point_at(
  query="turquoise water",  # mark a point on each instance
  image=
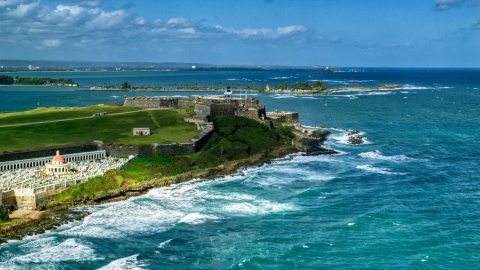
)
(405, 199)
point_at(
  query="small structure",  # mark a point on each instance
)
(99, 114)
(141, 131)
(228, 94)
(58, 165)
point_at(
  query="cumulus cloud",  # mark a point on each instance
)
(448, 4)
(85, 24)
(179, 23)
(267, 33)
(23, 10)
(83, 3)
(292, 29)
(9, 3)
(51, 43)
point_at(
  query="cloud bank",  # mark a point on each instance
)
(83, 23)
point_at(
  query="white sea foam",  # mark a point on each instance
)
(378, 155)
(284, 96)
(256, 208)
(342, 138)
(415, 87)
(164, 243)
(376, 93)
(369, 168)
(110, 222)
(282, 78)
(69, 250)
(130, 262)
(196, 218)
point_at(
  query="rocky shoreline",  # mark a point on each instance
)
(58, 213)
(17, 229)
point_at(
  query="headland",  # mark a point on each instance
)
(231, 133)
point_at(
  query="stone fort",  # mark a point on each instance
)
(213, 106)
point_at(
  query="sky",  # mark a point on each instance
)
(340, 33)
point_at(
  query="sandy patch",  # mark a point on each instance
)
(31, 214)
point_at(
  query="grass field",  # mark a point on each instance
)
(165, 126)
(49, 114)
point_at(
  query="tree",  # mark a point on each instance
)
(126, 85)
(5, 79)
(283, 86)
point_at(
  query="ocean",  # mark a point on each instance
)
(406, 198)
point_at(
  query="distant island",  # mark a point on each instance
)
(9, 80)
(300, 88)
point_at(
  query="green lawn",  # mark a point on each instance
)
(165, 125)
(49, 114)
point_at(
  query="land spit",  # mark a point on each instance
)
(56, 214)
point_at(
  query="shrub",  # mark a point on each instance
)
(4, 214)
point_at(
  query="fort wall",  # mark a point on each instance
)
(151, 102)
(45, 152)
(222, 109)
(202, 110)
(283, 117)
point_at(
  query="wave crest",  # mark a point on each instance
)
(378, 155)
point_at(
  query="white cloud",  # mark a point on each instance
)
(140, 21)
(85, 25)
(292, 29)
(179, 23)
(94, 3)
(448, 4)
(10, 3)
(71, 10)
(107, 20)
(24, 10)
(266, 33)
(189, 30)
(51, 43)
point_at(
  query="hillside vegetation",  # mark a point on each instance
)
(233, 138)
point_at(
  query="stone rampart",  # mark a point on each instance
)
(185, 102)
(248, 113)
(44, 152)
(201, 139)
(8, 198)
(285, 117)
(151, 102)
(202, 110)
(222, 109)
(25, 198)
(125, 150)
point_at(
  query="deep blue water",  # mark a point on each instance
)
(405, 199)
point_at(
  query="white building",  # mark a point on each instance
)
(58, 165)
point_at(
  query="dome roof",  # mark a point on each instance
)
(58, 158)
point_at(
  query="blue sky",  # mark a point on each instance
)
(366, 33)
